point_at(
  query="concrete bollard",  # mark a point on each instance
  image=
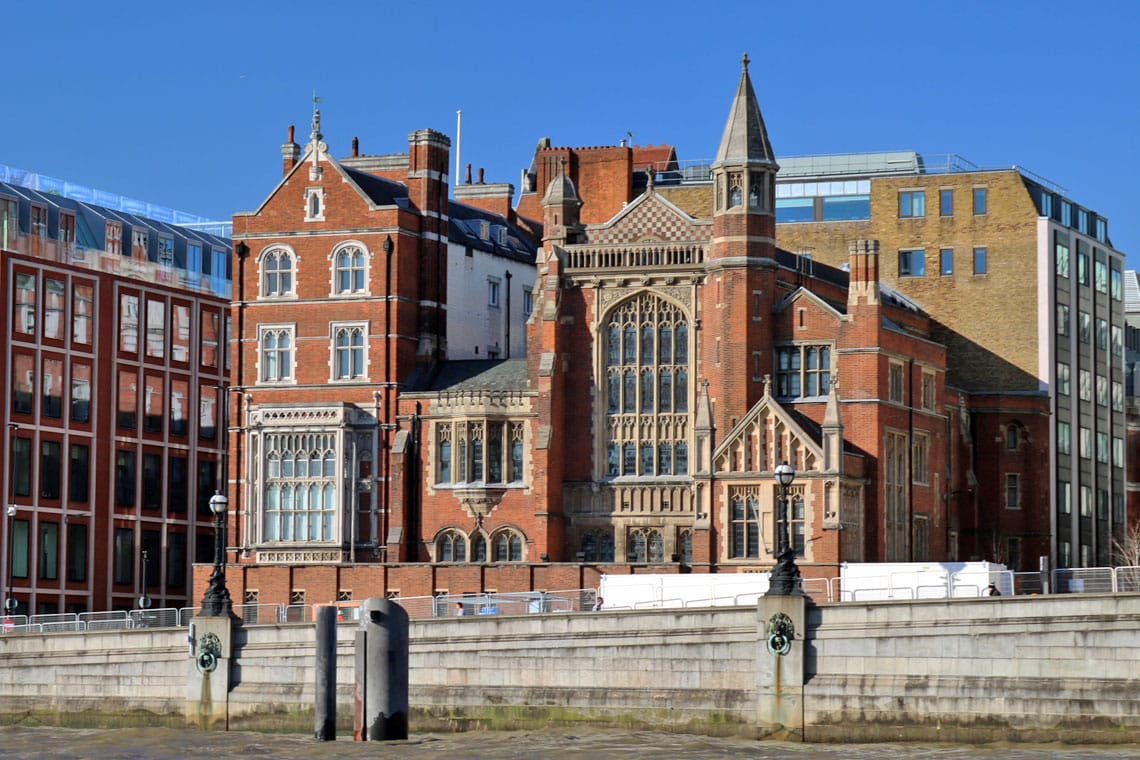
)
(324, 713)
(381, 689)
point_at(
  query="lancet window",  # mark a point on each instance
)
(646, 350)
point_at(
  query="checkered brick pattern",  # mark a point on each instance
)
(650, 217)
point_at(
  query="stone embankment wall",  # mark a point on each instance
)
(1017, 668)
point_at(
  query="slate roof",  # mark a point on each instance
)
(382, 192)
(472, 375)
(464, 225)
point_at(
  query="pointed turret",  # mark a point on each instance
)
(560, 206)
(741, 260)
(745, 137)
(744, 172)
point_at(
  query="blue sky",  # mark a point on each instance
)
(187, 104)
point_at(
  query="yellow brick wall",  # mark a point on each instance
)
(988, 322)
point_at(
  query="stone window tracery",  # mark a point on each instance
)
(507, 546)
(301, 501)
(349, 270)
(597, 545)
(276, 353)
(647, 388)
(484, 451)
(451, 547)
(277, 266)
(348, 352)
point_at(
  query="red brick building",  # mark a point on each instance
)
(672, 361)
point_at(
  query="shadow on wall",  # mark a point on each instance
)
(973, 367)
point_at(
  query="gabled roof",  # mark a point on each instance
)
(807, 438)
(802, 292)
(376, 191)
(650, 214)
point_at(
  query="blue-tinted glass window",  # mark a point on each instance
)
(946, 202)
(979, 200)
(979, 261)
(795, 209)
(946, 261)
(844, 207)
(912, 263)
(912, 203)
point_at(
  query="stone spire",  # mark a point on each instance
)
(745, 138)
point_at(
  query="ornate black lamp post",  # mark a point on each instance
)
(216, 601)
(785, 579)
(9, 600)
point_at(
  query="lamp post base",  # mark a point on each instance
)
(216, 601)
(785, 579)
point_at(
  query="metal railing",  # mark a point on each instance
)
(1087, 580)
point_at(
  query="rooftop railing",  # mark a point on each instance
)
(697, 171)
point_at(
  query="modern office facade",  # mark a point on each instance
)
(115, 329)
(1027, 291)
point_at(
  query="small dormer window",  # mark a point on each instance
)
(484, 230)
(502, 235)
(314, 204)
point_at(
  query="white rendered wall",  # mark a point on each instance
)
(475, 329)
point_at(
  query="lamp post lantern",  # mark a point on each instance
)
(785, 578)
(216, 601)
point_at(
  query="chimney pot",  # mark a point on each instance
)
(468, 176)
(355, 146)
(480, 175)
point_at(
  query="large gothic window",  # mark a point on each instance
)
(647, 388)
(300, 487)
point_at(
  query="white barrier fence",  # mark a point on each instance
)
(897, 586)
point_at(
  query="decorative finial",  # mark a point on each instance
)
(744, 61)
(649, 174)
(767, 385)
(316, 135)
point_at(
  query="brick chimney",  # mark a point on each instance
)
(863, 260)
(290, 153)
(494, 197)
